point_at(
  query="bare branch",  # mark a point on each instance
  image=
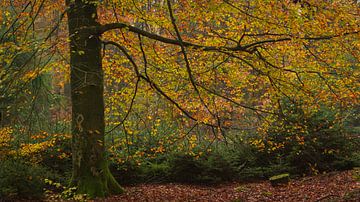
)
(187, 63)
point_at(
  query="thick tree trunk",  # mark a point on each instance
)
(91, 174)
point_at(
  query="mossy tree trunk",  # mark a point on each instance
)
(91, 174)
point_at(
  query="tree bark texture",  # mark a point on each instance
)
(91, 174)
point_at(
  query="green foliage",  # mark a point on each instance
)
(300, 142)
(355, 157)
(264, 172)
(210, 168)
(131, 172)
(308, 142)
(127, 172)
(156, 172)
(185, 168)
(178, 167)
(58, 157)
(248, 163)
(60, 192)
(217, 168)
(352, 195)
(21, 179)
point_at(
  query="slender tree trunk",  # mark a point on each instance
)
(91, 174)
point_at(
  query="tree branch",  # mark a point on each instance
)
(98, 30)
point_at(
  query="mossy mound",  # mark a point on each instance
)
(280, 179)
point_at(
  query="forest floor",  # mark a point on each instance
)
(334, 186)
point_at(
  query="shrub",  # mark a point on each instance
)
(184, 168)
(211, 168)
(21, 179)
(156, 172)
(131, 172)
(178, 167)
(308, 141)
(127, 172)
(217, 168)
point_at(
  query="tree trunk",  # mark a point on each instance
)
(91, 174)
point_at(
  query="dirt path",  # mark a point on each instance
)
(327, 187)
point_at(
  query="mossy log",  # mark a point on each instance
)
(280, 179)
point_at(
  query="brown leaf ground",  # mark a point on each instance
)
(336, 186)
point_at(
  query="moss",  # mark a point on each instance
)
(97, 185)
(241, 189)
(276, 177)
(354, 194)
(280, 179)
(113, 185)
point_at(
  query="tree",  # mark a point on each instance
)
(91, 174)
(21, 66)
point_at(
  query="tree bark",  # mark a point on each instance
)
(91, 174)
